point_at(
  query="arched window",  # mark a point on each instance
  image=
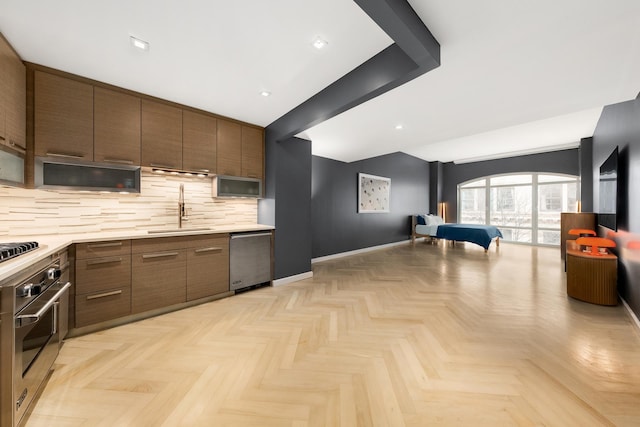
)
(526, 207)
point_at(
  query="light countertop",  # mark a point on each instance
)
(51, 244)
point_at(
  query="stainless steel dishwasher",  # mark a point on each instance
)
(249, 260)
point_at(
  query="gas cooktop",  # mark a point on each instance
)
(14, 249)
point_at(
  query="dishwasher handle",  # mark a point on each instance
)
(245, 236)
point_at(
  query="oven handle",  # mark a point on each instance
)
(27, 319)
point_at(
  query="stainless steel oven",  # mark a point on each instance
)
(37, 320)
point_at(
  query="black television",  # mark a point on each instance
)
(608, 192)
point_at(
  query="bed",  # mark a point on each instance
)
(433, 227)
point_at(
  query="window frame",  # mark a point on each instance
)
(534, 184)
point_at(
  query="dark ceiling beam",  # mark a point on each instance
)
(398, 19)
(414, 52)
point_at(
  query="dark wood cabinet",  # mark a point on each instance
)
(77, 118)
(591, 278)
(208, 267)
(116, 132)
(229, 148)
(159, 270)
(240, 150)
(161, 135)
(570, 220)
(199, 142)
(63, 117)
(102, 306)
(12, 99)
(103, 282)
(252, 152)
(6, 54)
(121, 280)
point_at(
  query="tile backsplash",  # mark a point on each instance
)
(25, 212)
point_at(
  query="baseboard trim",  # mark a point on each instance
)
(631, 313)
(359, 251)
(291, 279)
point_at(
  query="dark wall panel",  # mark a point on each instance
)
(287, 204)
(586, 174)
(619, 125)
(564, 161)
(435, 185)
(336, 224)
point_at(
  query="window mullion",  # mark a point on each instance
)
(534, 208)
(488, 201)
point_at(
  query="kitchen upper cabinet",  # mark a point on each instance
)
(63, 117)
(229, 148)
(252, 152)
(240, 150)
(207, 267)
(77, 118)
(5, 59)
(161, 135)
(199, 140)
(12, 99)
(116, 132)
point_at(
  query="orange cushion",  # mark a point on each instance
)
(595, 243)
(580, 231)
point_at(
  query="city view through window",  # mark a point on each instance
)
(526, 207)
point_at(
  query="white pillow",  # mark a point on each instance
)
(436, 220)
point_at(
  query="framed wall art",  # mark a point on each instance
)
(373, 193)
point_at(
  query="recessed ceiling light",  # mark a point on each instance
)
(265, 93)
(320, 43)
(140, 44)
(399, 127)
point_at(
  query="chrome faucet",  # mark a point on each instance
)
(182, 210)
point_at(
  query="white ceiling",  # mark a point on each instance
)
(515, 76)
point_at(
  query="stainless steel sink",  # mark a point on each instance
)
(177, 230)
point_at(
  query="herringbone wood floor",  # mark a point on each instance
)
(409, 336)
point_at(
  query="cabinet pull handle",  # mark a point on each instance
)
(2, 138)
(18, 147)
(65, 155)
(159, 255)
(104, 245)
(119, 161)
(103, 295)
(104, 260)
(211, 249)
(157, 165)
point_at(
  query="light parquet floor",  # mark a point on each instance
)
(408, 336)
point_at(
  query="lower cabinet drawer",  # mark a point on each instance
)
(98, 274)
(102, 306)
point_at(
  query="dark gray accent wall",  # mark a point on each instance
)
(619, 125)
(564, 161)
(336, 224)
(414, 52)
(586, 174)
(435, 186)
(287, 204)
